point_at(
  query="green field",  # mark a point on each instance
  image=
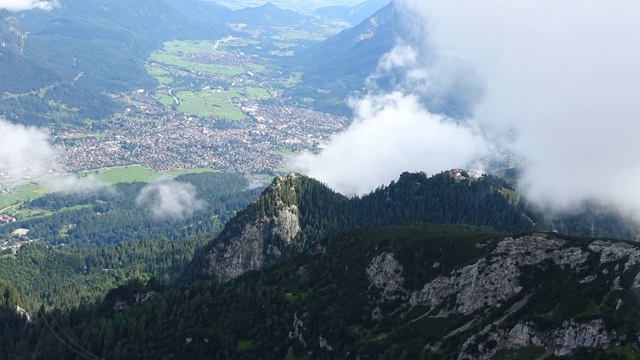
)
(175, 173)
(162, 75)
(30, 191)
(134, 173)
(178, 47)
(205, 104)
(7, 201)
(293, 79)
(251, 93)
(177, 61)
(164, 99)
(291, 34)
(125, 174)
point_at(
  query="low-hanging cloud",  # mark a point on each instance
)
(27, 155)
(409, 120)
(168, 199)
(21, 5)
(560, 78)
(391, 133)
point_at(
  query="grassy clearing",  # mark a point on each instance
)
(186, 47)
(244, 345)
(251, 93)
(206, 104)
(293, 79)
(131, 173)
(163, 76)
(175, 173)
(177, 61)
(75, 207)
(164, 99)
(293, 34)
(238, 42)
(6, 200)
(513, 196)
(30, 191)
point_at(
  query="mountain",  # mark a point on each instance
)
(296, 211)
(353, 14)
(77, 53)
(412, 291)
(268, 15)
(339, 65)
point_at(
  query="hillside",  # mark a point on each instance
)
(74, 55)
(353, 14)
(268, 15)
(339, 65)
(296, 211)
(407, 292)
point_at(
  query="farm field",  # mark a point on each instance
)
(175, 173)
(135, 173)
(6, 200)
(223, 70)
(206, 104)
(163, 99)
(30, 191)
(130, 173)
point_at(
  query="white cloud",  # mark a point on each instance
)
(560, 77)
(170, 199)
(27, 154)
(391, 133)
(563, 76)
(20, 5)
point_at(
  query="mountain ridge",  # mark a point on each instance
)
(296, 211)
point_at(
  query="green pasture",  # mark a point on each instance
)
(175, 173)
(206, 104)
(253, 93)
(295, 34)
(163, 76)
(178, 47)
(177, 61)
(130, 173)
(164, 99)
(6, 200)
(30, 191)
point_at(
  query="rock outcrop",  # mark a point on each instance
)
(262, 236)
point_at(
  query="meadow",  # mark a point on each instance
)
(208, 104)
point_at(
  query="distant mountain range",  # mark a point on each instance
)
(340, 64)
(353, 14)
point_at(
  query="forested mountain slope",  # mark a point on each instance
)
(296, 211)
(404, 292)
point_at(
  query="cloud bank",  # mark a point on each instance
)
(390, 134)
(20, 5)
(169, 199)
(560, 77)
(27, 154)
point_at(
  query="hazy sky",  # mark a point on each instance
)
(18, 5)
(561, 76)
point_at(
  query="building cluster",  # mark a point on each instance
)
(160, 138)
(4, 218)
(16, 241)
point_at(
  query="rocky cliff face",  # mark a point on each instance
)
(496, 281)
(262, 237)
